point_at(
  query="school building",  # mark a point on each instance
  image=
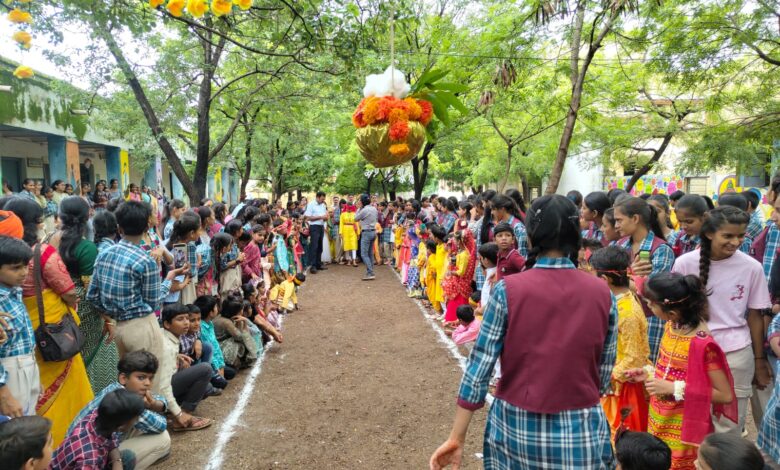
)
(46, 136)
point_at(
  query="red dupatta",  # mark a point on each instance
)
(698, 406)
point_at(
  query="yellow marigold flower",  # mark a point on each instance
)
(397, 115)
(156, 3)
(415, 111)
(23, 38)
(175, 7)
(243, 4)
(197, 8)
(399, 149)
(18, 16)
(23, 72)
(371, 110)
(221, 7)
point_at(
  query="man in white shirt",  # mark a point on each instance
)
(316, 214)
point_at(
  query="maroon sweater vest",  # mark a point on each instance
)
(557, 323)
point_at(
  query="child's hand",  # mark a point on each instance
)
(3, 327)
(184, 361)
(635, 375)
(656, 387)
(9, 406)
(198, 349)
(241, 257)
(641, 267)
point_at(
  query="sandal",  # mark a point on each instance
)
(197, 423)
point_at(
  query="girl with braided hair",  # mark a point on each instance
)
(736, 284)
(555, 330)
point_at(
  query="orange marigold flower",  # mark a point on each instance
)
(23, 38)
(397, 115)
(23, 72)
(414, 109)
(18, 16)
(175, 7)
(221, 7)
(243, 4)
(399, 150)
(197, 8)
(399, 130)
(427, 112)
(156, 3)
(371, 110)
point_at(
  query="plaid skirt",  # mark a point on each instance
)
(387, 235)
(655, 331)
(519, 439)
(769, 433)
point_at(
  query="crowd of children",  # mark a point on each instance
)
(685, 341)
(117, 323)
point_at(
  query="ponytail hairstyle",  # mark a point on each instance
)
(553, 223)
(598, 202)
(204, 212)
(74, 214)
(188, 222)
(467, 206)
(648, 216)
(220, 241)
(233, 227)
(250, 212)
(612, 262)
(683, 294)
(487, 215)
(713, 221)
(508, 204)
(575, 197)
(516, 196)
(173, 204)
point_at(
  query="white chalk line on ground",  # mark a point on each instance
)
(443, 338)
(230, 424)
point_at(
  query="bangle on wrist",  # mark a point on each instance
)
(679, 390)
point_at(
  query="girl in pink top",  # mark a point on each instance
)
(736, 284)
(468, 330)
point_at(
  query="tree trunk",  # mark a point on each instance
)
(526, 191)
(420, 174)
(289, 196)
(247, 166)
(298, 194)
(649, 165)
(578, 74)
(507, 168)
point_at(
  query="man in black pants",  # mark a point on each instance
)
(316, 214)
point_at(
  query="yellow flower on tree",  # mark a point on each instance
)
(23, 72)
(18, 16)
(156, 3)
(23, 38)
(197, 8)
(221, 7)
(243, 4)
(175, 7)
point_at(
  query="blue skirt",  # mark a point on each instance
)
(413, 278)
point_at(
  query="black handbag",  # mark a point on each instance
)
(56, 341)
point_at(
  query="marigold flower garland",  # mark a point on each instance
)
(22, 38)
(373, 111)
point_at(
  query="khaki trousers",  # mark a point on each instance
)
(24, 381)
(141, 333)
(743, 367)
(148, 448)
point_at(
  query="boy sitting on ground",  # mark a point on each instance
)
(19, 377)
(183, 388)
(26, 443)
(93, 443)
(148, 439)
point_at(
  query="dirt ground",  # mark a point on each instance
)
(360, 382)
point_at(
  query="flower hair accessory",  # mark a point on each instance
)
(675, 302)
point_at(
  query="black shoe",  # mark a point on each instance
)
(323, 268)
(213, 392)
(230, 372)
(218, 381)
(313, 271)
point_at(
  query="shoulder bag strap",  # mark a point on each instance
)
(38, 283)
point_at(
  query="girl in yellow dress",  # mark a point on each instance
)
(349, 236)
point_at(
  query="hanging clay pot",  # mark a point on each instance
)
(375, 144)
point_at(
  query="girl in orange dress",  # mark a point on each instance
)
(691, 380)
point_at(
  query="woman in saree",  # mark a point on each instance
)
(64, 384)
(78, 254)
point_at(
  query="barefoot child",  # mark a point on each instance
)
(691, 379)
